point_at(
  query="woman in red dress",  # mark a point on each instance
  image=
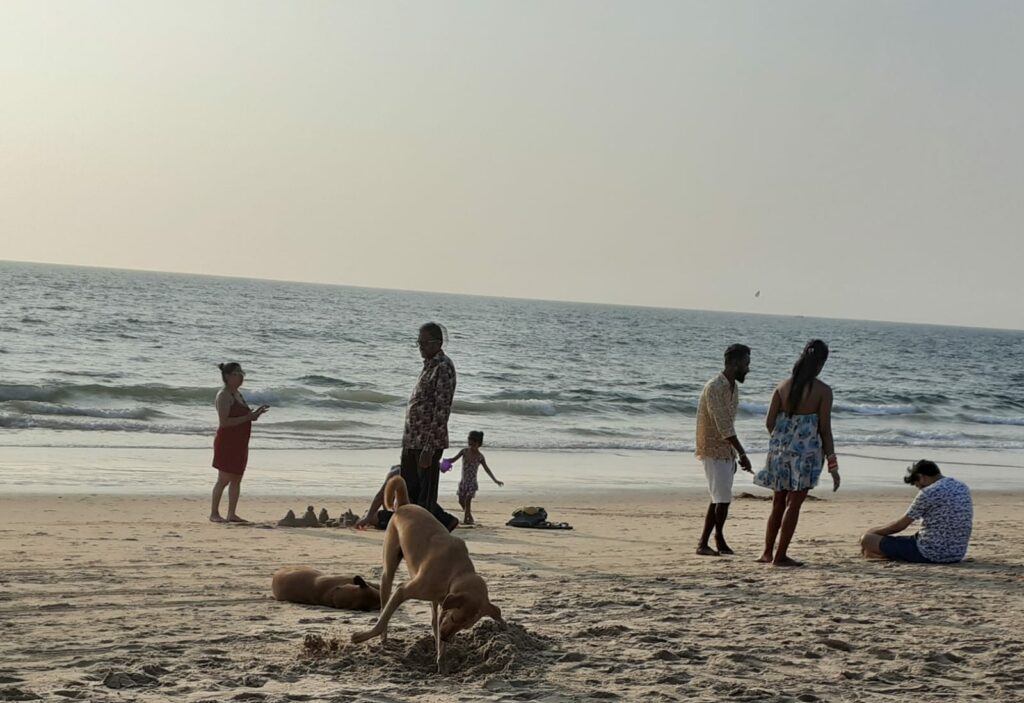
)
(231, 445)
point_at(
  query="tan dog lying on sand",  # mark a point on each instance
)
(440, 571)
(299, 584)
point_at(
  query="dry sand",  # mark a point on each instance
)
(121, 599)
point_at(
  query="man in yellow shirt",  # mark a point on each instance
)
(717, 444)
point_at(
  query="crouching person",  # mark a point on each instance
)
(944, 508)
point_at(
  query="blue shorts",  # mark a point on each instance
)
(903, 549)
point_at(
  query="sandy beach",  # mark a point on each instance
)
(139, 598)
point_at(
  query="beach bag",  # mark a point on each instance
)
(531, 516)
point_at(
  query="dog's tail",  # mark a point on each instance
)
(396, 493)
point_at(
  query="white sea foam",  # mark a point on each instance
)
(871, 409)
(995, 420)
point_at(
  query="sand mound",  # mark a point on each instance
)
(485, 650)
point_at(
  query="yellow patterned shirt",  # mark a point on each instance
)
(716, 415)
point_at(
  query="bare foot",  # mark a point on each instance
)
(786, 561)
(765, 558)
(241, 520)
(358, 637)
(468, 520)
(723, 548)
(217, 518)
(707, 552)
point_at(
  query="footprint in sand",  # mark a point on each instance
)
(837, 644)
(665, 656)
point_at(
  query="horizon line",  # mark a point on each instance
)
(507, 297)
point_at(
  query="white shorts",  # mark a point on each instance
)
(720, 473)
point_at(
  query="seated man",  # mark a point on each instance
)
(945, 510)
(375, 517)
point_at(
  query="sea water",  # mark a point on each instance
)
(97, 358)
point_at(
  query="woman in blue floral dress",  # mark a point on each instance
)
(800, 422)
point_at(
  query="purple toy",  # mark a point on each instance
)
(446, 464)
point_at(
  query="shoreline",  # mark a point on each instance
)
(359, 472)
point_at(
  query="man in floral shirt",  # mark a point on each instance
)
(426, 424)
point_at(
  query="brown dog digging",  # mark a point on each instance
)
(440, 571)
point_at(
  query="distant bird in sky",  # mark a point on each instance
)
(757, 294)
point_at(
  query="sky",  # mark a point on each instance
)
(845, 159)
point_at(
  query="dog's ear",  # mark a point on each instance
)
(494, 612)
(358, 580)
(452, 601)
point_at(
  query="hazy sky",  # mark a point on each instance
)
(861, 159)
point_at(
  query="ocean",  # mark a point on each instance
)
(97, 358)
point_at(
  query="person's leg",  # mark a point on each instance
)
(722, 471)
(794, 500)
(703, 548)
(431, 478)
(771, 532)
(469, 510)
(423, 484)
(234, 490)
(410, 473)
(431, 489)
(223, 479)
(721, 515)
(871, 546)
(897, 549)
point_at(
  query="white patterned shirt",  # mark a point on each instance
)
(946, 514)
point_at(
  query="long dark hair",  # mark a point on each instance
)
(805, 370)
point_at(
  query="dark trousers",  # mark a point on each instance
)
(423, 484)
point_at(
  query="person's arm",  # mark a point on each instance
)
(224, 418)
(825, 423)
(773, 411)
(825, 432)
(893, 527)
(721, 414)
(457, 456)
(483, 462)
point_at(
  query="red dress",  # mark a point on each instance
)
(231, 444)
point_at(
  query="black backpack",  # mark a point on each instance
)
(528, 517)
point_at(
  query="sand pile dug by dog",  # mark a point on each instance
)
(486, 650)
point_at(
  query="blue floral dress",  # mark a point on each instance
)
(794, 455)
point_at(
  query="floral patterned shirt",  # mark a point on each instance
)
(426, 417)
(716, 415)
